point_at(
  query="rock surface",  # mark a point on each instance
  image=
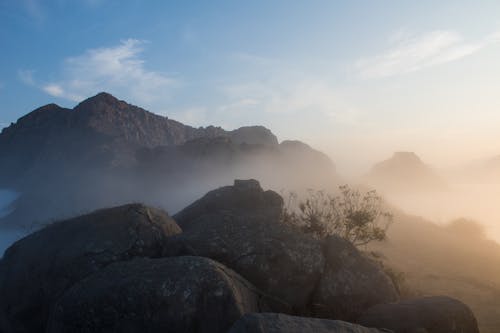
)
(182, 294)
(435, 314)
(37, 269)
(351, 283)
(280, 323)
(240, 227)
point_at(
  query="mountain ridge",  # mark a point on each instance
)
(105, 151)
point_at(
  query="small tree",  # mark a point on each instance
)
(357, 217)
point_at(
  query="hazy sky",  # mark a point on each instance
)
(357, 79)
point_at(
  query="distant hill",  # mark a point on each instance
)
(106, 151)
(404, 172)
(446, 260)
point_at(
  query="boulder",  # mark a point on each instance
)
(240, 227)
(435, 314)
(181, 294)
(245, 198)
(280, 323)
(350, 283)
(37, 269)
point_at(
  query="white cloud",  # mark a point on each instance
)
(411, 54)
(118, 69)
(54, 90)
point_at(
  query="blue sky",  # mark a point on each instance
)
(357, 79)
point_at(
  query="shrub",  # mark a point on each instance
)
(355, 216)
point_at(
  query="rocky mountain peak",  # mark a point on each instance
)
(101, 101)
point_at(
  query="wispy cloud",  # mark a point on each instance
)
(299, 97)
(118, 69)
(413, 53)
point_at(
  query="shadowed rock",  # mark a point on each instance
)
(182, 294)
(240, 226)
(37, 269)
(436, 314)
(280, 323)
(351, 283)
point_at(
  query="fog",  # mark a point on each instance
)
(7, 236)
(434, 257)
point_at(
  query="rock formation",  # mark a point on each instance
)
(429, 314)
(37, 269)
(227, 264)
(182, 294)
(280, 323)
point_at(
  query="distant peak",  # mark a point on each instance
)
(100, 101)
(406, 156)
(103, 97)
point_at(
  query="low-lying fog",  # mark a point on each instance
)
(479, 202)
(7, 237)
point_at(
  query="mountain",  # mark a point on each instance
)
(404, 172)
(106, 152)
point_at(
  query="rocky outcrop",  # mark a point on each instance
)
(244, 198)
(37, 269)
(240, 226)
(182, 294)
(350, 283)
(427, 315)
(281, 323)
(131, 268)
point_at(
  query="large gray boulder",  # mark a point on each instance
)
(181, 294)
(240, 227)
(350, 283)
(435, 314)
(37, 269)
(281, 323)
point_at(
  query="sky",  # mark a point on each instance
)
(355, 79)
